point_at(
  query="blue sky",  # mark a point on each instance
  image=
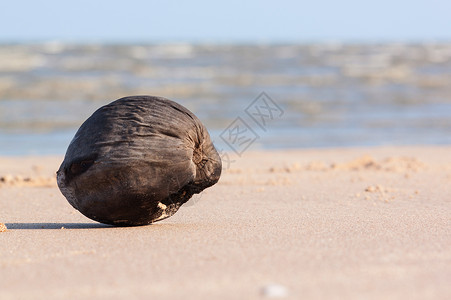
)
(225, 21)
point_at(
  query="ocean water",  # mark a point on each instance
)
(281, 96)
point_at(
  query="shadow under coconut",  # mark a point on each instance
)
(56, 226)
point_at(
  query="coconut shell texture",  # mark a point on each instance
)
(137, 160)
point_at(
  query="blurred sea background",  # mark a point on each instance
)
(332, 94)
(345, 73)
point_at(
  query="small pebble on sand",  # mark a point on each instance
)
(274, 291)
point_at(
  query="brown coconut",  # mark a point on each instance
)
(137, 160)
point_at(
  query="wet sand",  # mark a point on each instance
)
(371, 223)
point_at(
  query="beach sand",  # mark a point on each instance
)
(361, 223)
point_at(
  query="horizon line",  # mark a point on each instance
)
(171, 41)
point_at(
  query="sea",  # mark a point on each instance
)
(249, 96)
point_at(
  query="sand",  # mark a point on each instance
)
(362, 223)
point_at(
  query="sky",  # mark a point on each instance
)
(224, 21)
